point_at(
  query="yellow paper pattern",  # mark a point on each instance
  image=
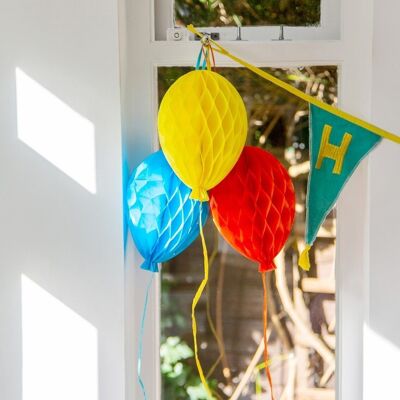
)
(202, 125)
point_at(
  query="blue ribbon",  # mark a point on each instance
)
(198, 62)
(141, 334)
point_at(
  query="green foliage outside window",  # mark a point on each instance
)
(180, 379)
(248, 12)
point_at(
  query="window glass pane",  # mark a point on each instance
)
(301, 304)
(247, 12)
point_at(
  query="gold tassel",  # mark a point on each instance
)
(304, 260)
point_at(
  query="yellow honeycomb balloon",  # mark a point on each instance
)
(202, 125)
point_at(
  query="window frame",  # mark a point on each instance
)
(141, 55)
(328, 29)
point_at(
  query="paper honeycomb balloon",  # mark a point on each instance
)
(162, 219)
(254, 206)
(202, 125)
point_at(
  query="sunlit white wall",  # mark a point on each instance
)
(60, 202)
(59, 348)
(55, 131)
(382, 332)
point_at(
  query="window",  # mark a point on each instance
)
(143, 26)
(258, 20)
(302, 305)
(247, 12)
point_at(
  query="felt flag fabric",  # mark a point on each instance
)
(337, 146)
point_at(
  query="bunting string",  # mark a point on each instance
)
(298, 93)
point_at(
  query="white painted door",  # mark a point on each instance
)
(352, 52)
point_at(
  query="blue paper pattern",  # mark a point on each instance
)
(162, 219)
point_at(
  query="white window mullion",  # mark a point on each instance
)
(266, 54)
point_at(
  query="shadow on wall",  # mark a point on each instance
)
(55, 131)
(59, 348)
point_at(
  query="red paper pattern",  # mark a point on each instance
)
(254, 206)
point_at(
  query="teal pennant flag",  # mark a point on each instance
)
(337, 146)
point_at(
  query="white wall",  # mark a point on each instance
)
(354, 97)
(382, 327)
(61, 244)
(139, 140)
(60, 202)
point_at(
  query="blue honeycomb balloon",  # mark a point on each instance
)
(162, 219)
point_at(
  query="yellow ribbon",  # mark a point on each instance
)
(208, 310)
(298, 93)
(194, 304)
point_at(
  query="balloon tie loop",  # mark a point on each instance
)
(205, 40)
(199, 194)
(205, 58)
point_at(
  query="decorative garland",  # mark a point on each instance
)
(202, 125)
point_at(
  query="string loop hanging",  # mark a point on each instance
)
(206, 58)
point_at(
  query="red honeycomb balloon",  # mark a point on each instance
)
(254, 206)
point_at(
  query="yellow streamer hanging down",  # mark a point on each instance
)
(208, 310)
(194, 304)
(298, 93)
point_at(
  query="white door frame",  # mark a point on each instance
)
(141, 56)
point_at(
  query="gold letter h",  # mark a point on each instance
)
(336, 153)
